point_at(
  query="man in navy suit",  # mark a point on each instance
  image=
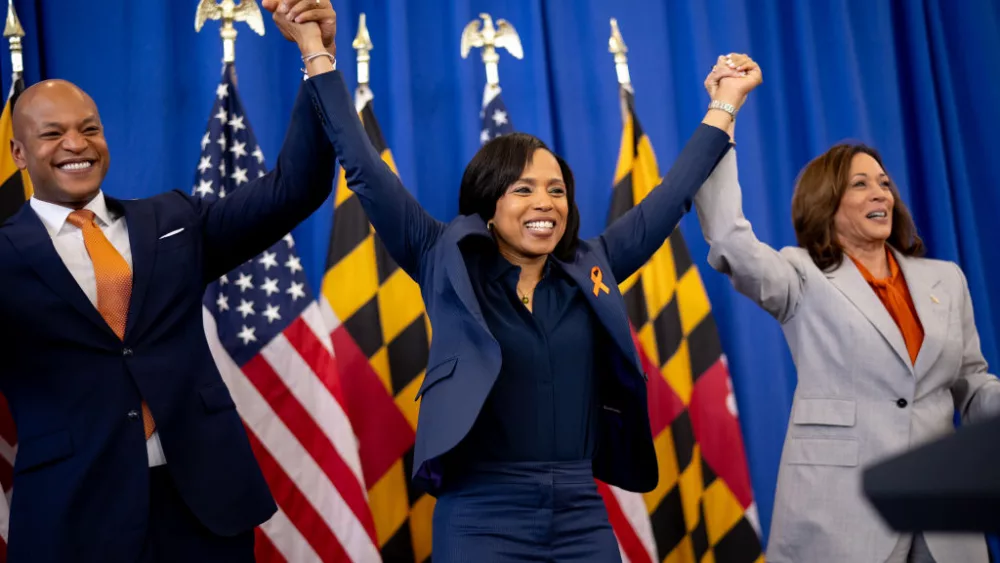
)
(130, 447)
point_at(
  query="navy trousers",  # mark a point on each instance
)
(549, 512)
(175, 534)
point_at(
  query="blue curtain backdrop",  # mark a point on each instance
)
(914, 78)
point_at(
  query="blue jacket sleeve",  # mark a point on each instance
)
(632, 240)
(252, 218)
(406, 229)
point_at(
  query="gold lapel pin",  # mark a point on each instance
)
(934, 299)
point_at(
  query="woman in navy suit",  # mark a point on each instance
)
(534, 386)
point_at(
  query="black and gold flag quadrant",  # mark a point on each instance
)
(15, 186)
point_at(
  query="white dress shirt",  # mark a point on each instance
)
(68, 241)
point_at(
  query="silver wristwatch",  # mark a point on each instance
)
(728, 108)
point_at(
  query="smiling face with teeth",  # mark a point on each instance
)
(864, 216)
(845, 201)
(525, 194)
(59, 140)
(530, 217)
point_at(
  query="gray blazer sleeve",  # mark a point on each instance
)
(774, 280)
(976, 392)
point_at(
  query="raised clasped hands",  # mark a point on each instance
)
(311, 24)
(732, 78)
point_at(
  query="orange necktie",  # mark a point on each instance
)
(114, 284)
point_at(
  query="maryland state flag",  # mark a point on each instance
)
(16, 186)
(702, 511)
(381, 341)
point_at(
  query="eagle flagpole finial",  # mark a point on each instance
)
(229, 11)
(484, 35)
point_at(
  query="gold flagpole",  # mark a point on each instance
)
(617, 47)
(14, 32)
(363, 45)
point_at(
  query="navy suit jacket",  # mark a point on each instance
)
(81, 476)
(464, 358)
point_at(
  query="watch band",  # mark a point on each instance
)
(726, 107)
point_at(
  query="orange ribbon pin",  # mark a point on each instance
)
(597, 277)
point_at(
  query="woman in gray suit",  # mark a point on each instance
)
(884, 343)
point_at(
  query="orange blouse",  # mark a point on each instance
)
(895, 295)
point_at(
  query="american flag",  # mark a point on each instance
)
(496, 120)
(269, 341)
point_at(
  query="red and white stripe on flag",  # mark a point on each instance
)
(290, 401)
(629, 518)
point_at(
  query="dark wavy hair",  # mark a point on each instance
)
(818, 192)
(500, 163)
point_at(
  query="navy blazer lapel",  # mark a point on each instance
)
(464, 226)
(932, 308)
(32, 241)
(607, 305)
(141, 223)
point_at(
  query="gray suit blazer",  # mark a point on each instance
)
(858, 397)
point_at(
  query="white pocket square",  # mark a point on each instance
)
(172, 233)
